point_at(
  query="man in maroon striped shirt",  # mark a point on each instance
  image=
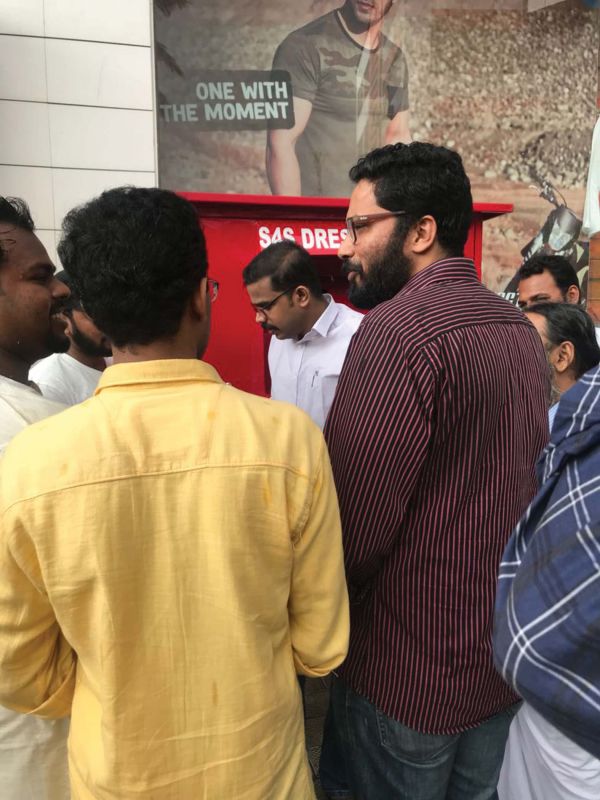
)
(439, 417)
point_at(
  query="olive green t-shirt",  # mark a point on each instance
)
(353, 91)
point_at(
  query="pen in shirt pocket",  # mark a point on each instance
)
(314, 378)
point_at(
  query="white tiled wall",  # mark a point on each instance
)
(76, 103)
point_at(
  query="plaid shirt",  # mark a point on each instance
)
(547, 624)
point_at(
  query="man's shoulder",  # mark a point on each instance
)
(265, 413)
(394, 50)
(55, 426)
(576, 427)
(439, 309)
(36, 455)
(61, 377)
(348, 316)
(48, 366)
(21, 406)
(76, 445)
(283, 433)
(324, 25)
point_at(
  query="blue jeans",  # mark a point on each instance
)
(332, 767)
(385, 760)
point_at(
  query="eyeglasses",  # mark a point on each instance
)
(353, 224)
(270, 303)
(213, 288)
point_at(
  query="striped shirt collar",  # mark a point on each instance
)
(442, 271)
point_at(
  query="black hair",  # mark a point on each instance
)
(422, 178)
(135, 257)
(559, 267)
(14, 213)
(287, 265)
(567, 322)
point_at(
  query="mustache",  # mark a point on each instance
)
(58, 308)
(351, 266)
(266, 327)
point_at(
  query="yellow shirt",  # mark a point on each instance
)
(170, 555)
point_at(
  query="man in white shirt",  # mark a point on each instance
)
(33, 751)
(72, 377)
(311, 332)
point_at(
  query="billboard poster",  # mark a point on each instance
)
(283, 96)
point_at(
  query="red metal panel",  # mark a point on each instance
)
(239, 226)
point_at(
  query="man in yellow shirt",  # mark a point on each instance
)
(170, 550)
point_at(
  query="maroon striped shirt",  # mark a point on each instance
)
(440, 414)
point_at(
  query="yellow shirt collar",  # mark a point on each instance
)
(171, 370)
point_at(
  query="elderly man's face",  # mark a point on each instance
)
(559, 357)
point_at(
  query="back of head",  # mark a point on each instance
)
(14, 213)
(135, 257)
(422, 179)
(566, 322)
(559, 267)
(287, 265)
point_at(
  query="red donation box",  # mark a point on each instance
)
(237, 227)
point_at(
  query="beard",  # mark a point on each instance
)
(89, 346)
(387, 275)
(57, 343)
(57, 340)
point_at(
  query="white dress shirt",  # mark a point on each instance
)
(33, 751)
(305, 372)
(64, 379)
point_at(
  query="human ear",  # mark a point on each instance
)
(573, 294)
(199, 299)
(564, 356)
(302, 294)
(423, 234)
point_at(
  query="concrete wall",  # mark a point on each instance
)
(77, 108)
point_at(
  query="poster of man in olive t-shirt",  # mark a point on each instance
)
(350, 87)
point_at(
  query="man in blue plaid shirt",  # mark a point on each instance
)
(547, 620)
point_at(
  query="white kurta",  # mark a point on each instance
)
(33, 751)
(64, 379)
(306, 372)
(540, 763)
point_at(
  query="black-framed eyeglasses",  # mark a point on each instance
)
(268, 305)
(213, 288)
(354, 224)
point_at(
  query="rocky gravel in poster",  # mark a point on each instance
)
(512, 89)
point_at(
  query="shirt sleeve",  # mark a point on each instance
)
(37, 665)
(298, 56)
(546, 624)
(318, 604)
(378, 432)
(397, 85)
